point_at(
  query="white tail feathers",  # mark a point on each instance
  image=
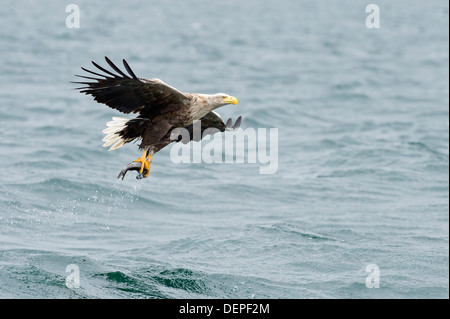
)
(113, 133)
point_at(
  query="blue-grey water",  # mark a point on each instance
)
(363, 152)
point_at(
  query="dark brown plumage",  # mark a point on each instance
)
(160, 108)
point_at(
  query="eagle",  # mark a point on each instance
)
(161, 109)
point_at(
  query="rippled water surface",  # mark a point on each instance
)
(363, 152)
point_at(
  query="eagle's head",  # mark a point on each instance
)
(221, 99)
(205, 103)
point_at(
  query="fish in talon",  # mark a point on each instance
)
(133, 166)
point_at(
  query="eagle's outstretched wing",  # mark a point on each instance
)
(130, 94)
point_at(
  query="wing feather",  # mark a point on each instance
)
(127, 67)
(98, 74)
(116, 68)
(211, 120)
(148, 97)
(104, 70)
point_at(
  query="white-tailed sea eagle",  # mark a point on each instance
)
(160, 108)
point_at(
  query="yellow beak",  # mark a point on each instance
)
(230, 100)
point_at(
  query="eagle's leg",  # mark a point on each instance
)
(145, 163)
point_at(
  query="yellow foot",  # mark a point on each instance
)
(145, 164)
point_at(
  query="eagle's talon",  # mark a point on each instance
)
(139, 160)
(145, 165)
(143, 174)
